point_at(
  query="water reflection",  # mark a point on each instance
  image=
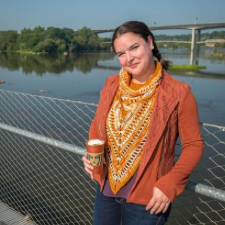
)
(85, 62)
(52, 63)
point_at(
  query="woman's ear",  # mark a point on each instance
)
(150, 42)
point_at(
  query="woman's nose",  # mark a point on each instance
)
(130, 57)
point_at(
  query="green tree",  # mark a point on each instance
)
(7, 40)
(62, 46)
(48, 45)
(87, 39)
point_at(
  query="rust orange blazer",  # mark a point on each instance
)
(175, 114)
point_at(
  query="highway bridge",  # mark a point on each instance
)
(195, 28)
(201, 26)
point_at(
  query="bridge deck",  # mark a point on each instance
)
(200, 26)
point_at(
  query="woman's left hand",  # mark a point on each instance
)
(158, 203)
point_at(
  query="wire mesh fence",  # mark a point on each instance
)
(48, 184)
(192, 208)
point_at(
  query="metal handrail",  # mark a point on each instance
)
(191, 186)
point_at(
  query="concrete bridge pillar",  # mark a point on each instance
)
(193, 46)
(196, 35)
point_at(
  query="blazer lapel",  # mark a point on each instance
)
(107, 100)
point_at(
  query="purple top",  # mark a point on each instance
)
(123, 192)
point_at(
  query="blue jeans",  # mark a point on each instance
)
(111, 211)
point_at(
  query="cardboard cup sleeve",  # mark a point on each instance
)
(95, 154)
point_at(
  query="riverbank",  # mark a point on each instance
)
(30, 52)
(24, 52)
(217, 54)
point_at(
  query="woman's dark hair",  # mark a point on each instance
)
(142, 30)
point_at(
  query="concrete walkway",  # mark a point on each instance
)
(9, 216)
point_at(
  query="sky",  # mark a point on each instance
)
(100, 14)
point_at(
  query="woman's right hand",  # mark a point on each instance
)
(87, 166)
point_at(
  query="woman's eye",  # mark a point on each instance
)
(120, 54)
(135, 47)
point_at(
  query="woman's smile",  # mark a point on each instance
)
(133, 65)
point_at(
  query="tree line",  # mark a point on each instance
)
(51, 39)
(55, 39)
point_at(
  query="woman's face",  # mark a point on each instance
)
(135, 55)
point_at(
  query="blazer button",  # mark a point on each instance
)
(163, 97)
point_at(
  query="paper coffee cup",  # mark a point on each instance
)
(95, 154)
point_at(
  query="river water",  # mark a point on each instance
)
(81, 77)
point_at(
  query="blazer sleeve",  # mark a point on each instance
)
(173, 183)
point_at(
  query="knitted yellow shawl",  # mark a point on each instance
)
(127, 126)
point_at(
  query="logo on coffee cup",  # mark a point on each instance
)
(95, 159)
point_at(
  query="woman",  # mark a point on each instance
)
(140, 114)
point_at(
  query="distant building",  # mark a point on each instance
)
(212, 42)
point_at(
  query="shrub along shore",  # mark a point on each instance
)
(186, 68)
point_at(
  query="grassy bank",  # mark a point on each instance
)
(29, 52)
(186, 68)
(24, 52)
